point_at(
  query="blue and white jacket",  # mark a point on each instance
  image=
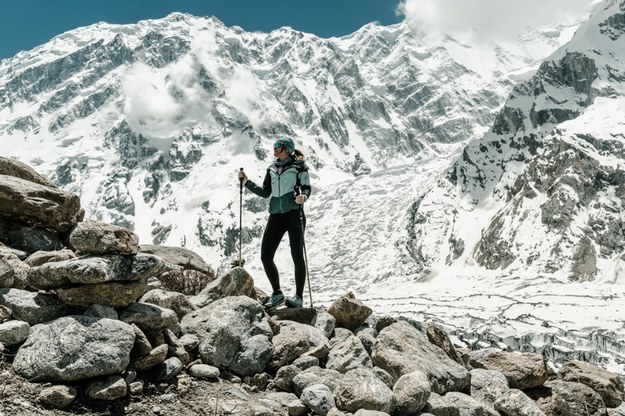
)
(280, 181)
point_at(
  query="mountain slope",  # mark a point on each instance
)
(543, 189)
(149, 122)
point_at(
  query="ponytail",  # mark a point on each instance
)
(298, 155)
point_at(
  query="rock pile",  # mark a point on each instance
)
(87, 318)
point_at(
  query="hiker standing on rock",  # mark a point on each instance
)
(288, 184)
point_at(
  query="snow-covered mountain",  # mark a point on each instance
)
(149, 122)
(453, 182)
(544, 188)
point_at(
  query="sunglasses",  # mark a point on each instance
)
(278, 145)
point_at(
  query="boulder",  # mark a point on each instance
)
(301, 315)
(13, 332)
(348, 354)
(148, 317)
(32, 239)
(288, 344)
(284, 377)
(325, 322)
(349, 312)
(203, 371)
(316, 375)
(58, 397)
(440, 338)
(488, 386)
(38, 205)
(109, 388)
(234, 333)
(166, 371)
(567, 398)
(516, 403)
(412, 392)
(113, 294)
(607, 384)
(97, 237)
(185, 271)
(361, 389)
(522, 370)
(401, 349)
(153, 358)
(17, 279)
(42, 257)
(237, 282)
(30, 307)
(17, 169)
(6, 274)
(88, 270)
(175, 301)
(75, 348)
(100, 311)
(5, 314)
(318, 398)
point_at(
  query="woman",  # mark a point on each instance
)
(288, 184)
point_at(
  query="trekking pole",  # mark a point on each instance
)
(301, 221)
(240, 262)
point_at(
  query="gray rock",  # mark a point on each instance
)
(440, 338)
(315, 375)
(41, 257)
(6, 273)
(75, 348)
(34, 308)
(176, 349)
(14, 332)
(319, 344)
(284, 378)
(142, 345)
(516, 403)
(488, 386)
(110, 388)
(88, 270)
(571, 399)
(348, 354)
(234, 333)
(17, 169)
(237, 282)
(363, 412)
(178, 256)
(100, 311)
(412, 392)
(325, 322)
(58, 397)
(153, 358)
(349, 312)
(288, 344)
(96, 237)
(401, 349)
(606, 383)
(32, 239)
(385, 376)
(39, 205)
(522, 370)
(136, 388)
(318, 398)
(175, 301)
(167, 370)
(204, 371)
(113, 294)
(306, 362)
(361, 389)
(368, 341)
(148, 317)
(190, 342)
(5, 314)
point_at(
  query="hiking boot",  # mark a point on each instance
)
(294, 302)
(275, 300)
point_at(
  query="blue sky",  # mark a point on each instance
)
(25, 24)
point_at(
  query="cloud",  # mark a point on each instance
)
(489, 19)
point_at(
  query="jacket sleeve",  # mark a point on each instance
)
(304, 181)
(265, 190)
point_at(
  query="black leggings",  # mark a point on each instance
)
(277, 226)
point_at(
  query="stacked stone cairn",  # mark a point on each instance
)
(85, 316)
